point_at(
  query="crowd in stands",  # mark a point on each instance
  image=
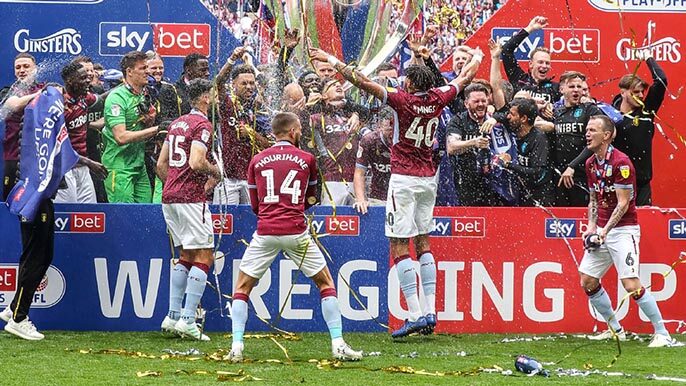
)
(513, 141)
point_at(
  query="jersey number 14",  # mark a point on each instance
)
(289, 186)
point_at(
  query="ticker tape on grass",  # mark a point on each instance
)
(222, 376)
(328, 364)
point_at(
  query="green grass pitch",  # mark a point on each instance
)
(76, 358)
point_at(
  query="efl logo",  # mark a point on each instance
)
(569, 228)
(222, 224)
(337, 225)
(49, 292)
(677, 229)
(80, 222)
(168, 39)
(566, 45)
(470, 227)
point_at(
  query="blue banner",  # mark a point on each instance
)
(107, 29)
(46, 153)
(111, 271)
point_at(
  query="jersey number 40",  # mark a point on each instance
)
(419, 134)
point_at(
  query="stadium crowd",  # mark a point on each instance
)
(489, 155)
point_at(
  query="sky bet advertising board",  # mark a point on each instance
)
(111, 271)
(105, 30)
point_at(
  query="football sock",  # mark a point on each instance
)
(427, 272)
(239, 316)
(179, 277)
(195, 286)
(407, 276)
(332, 313)
(648, 305)
(601, 302)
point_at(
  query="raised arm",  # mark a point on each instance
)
(512, 69)
(496, 78)
(225, 72)
(657, 90)
(355, 77)
(469, 70)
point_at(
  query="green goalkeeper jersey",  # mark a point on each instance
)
(121, 107)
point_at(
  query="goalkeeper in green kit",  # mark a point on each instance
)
(127, 113)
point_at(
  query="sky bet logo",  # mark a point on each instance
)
(459, 227)
(566, 45)
(169, 39)
(569, 228)
(337, 225)
(222, 224)
(80, 222)
(677, 229)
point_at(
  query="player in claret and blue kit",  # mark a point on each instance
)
(282, 183)
(412, 187)
(613, 233)
(188, 176)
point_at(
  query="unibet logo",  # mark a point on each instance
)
(566, 45)
(222, 224)
(167, 39)
(337, 225)
(471, 227)
(80, 222)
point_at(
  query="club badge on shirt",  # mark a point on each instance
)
(608, 172)
(624, 171)
(115, 110)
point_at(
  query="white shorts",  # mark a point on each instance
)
(190, 225)
(231, 192)
(80, 188)
(410, 206)
(341, 193)
(301, 249)
(621, 248)
(376, 202)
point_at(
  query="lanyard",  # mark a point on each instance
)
(603, 171)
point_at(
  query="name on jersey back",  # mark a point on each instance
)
(282, 157)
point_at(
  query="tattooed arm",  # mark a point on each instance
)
(592, 215)
(354, 77)
(623, 200)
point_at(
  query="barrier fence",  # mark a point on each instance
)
(504, 270)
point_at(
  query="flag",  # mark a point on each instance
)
(265, 33)
(503, 183)
(46, 154)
